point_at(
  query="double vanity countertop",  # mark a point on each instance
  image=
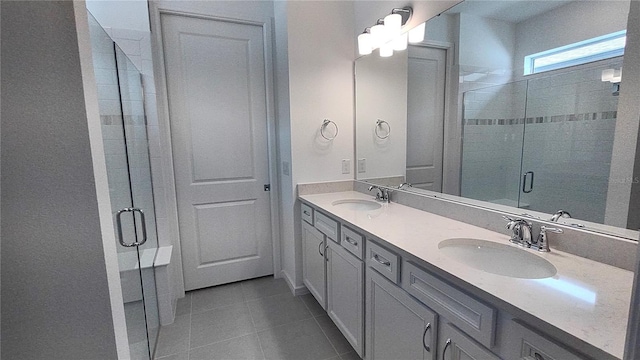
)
(586, 299)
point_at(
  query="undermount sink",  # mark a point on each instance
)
(499, 259)
(357, 204)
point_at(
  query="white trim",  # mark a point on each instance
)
(295, 290)
(165, 126)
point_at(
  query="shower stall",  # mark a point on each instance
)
(542, 144)
(124, 132)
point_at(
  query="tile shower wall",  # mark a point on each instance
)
(570, 121)
(492, 142)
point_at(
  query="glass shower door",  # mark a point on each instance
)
(139, 169)
(493, 126)
(568, 142)
(128, 171)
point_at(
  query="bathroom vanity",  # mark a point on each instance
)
(396, 282)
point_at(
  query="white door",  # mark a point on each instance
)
(425, 117)
(217, 106)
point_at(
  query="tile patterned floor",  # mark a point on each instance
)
(253, 319)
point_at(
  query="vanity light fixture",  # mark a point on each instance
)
(614, 76)
(416, 34)
(388, 34)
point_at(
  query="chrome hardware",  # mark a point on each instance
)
(382, 193)
(320, 247)
(542, 243)
(324, 125)
(267, 187)
(379, 124)
(560, 214)
(306, 212)
(424, 334)
(446, 346)
(524, 182)
(381, 260)
(119, 226)
(521, 231)
(404, 184)
(351, 241)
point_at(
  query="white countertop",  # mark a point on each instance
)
(586, 299)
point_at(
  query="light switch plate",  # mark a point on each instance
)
(285, 167)
(362, 166)
(346, 166)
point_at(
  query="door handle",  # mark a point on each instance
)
(524, 182)
(424, 335)
(119, 226)
(446, 346)
(320, 247)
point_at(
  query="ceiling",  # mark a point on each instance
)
(514, 11)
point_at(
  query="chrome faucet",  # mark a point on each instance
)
(521, 231)
(404, 184)
(542, 243)
(559, 214)
(382, 193)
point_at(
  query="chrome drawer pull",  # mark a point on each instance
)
(424, 343)
(306, 212)
(381, 260)
(446, 346)
(351, 241)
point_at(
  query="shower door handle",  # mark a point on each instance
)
(524, 182)
(119, 226)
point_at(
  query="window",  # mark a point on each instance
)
(599, 48)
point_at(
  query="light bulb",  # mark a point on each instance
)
(416, 34)
(400, 42)
(386, 50)
(378, 36)
(365, 44)
(392, 24)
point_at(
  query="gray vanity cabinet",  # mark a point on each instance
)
(313, 264)
(345, 295)
(455, 345)
(398, 326)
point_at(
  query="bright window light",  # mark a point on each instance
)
(599, 48)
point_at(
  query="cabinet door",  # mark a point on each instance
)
(398, 327)
(454, 345)
(313, 262)
(345, 278)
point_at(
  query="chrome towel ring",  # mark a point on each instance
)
(323, 127)
(380, 124)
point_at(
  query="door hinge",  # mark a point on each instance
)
(267, 187)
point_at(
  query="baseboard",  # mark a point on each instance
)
(296, 291)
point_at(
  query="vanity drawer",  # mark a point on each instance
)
(470, 315)
(384, 261)
(327, 225)
(353, 242)
(525, 343)
(306, 213)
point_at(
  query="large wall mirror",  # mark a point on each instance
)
(511, 105)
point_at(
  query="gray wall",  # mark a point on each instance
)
(55, 301)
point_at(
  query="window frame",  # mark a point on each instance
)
(529, 60)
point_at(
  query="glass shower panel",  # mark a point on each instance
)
(569, 131)
(139, 165)
(493, 126)
(120, 191)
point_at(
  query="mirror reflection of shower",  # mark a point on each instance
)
(542, 144)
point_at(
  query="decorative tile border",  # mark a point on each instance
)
(128, 120)
(605, 115)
